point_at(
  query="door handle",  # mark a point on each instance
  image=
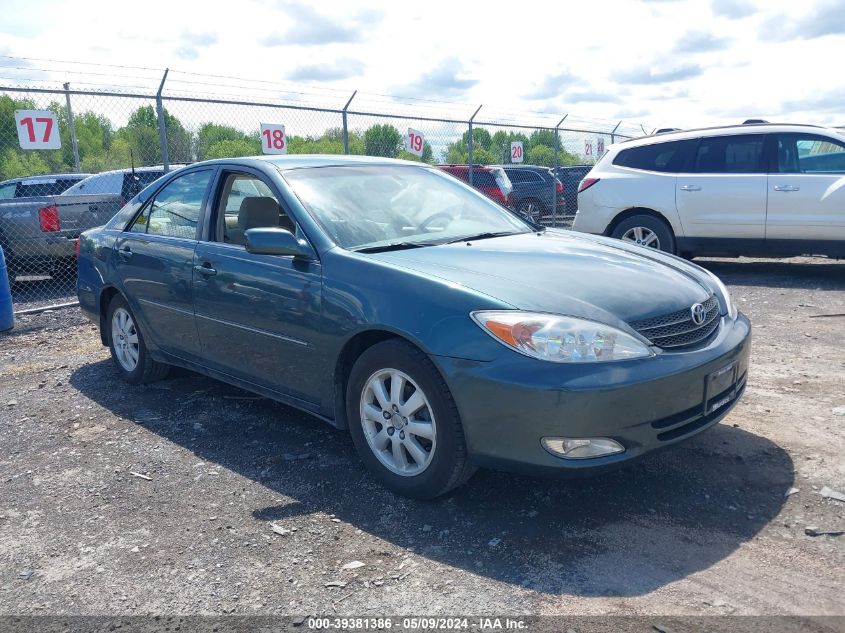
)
(690, 188)
(787, 188)
(125, 253)
(205, 270)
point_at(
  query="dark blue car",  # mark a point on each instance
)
(392, 300)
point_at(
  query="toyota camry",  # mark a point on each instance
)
(394, 301)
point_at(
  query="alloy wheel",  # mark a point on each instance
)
(642, 236)
(124, 338)
(398, 422)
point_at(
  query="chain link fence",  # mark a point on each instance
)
(69, 159)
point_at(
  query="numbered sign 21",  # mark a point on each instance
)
(588, 148)
(517, 152)
(37, 129)
(273, 139)
(415, 142)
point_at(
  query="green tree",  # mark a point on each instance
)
(382, 140)
(17, 164)
(541, 155)
(230, 148)
(141, 132)
(211, 134)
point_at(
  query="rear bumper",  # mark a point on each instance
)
(507, 406)
(40, 253)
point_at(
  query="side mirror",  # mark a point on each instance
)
(274, 241)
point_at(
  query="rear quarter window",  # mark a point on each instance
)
(669, 157)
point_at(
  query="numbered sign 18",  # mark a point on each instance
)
(273, 139)
(414, 142)
(517, 152)
(600, 146)
(37, 129)
(588, 148)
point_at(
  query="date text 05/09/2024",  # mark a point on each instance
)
(417, 623)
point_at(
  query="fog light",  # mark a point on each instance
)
(581, 447)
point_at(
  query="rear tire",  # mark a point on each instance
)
(531, 209)
(647, 231)
(126, 344)
(416, 450)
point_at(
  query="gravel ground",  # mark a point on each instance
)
(190, 496)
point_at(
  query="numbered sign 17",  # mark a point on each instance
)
(273, 139)
(588, 148)
(414, 142)
(38, 129)
(517, 152)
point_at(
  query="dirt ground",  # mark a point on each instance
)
(190, 496)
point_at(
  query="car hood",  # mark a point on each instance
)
(563, 273)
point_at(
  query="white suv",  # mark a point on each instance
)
(757, 189)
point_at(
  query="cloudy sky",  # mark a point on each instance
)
(669, 62)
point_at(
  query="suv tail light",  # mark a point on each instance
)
(587, 183)
(559, 186)
(77, 247)
(48, 219)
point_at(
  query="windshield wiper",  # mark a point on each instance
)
(396, 246)
(481, 236)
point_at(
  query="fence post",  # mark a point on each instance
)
(162, 125)
(469, 144)
(72, 128)
(557, 164)
(613, 133)
(345, 126)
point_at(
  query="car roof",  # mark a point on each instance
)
(44, 177)
(296, 161)
(529, 167)
(746, 128)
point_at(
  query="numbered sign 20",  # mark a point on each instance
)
(517, 152)
(37, 129)
(414, 142)
(588, 148)
(600, 146)
(273, 139)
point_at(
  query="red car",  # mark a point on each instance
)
(491, 181)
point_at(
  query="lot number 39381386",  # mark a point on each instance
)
(273, 139)
(37, 129)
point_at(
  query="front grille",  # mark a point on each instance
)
(677, 329)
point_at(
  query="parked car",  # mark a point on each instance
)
(536, 191)
(756, 189)
(570, 177)
(20, 202)
(42, 233)
(442, 342)
(493, 182)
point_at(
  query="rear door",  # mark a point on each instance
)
(806, 211)
(721, 196)
(154, 262)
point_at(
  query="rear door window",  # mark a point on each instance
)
(670, 157)
(809, 154)
(735, 154)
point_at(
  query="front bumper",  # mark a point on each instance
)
(508, 405)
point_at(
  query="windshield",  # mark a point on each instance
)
(371, 206)
(97, 184)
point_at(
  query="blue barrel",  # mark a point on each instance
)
(7, 313)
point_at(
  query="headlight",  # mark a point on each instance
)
(560, 339)
(731, 306)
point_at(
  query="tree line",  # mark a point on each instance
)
(102, 146)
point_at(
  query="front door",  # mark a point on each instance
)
(257, 315)
(807, 195)
(154, 261)
(722, 199)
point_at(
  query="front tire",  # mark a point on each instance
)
(404, 422)
(128, 350)
(646, 230)
(531, 209)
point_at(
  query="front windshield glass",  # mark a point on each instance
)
(374, 206)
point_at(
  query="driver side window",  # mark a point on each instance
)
(247, 202)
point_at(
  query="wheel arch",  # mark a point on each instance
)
(629, 213)
(351, 352)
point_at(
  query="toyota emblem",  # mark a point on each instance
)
(698, 313)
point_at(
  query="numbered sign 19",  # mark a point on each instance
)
(600, 146)
(588, 148)
(37, 129)
(414, 142)
(517, 152)
(273, 139)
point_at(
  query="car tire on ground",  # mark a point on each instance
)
(531, 209)
(646, 230)
(404, 422)
(128, 350)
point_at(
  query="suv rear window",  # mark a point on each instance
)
(736, 154)
(46, 187)
(667, 157)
